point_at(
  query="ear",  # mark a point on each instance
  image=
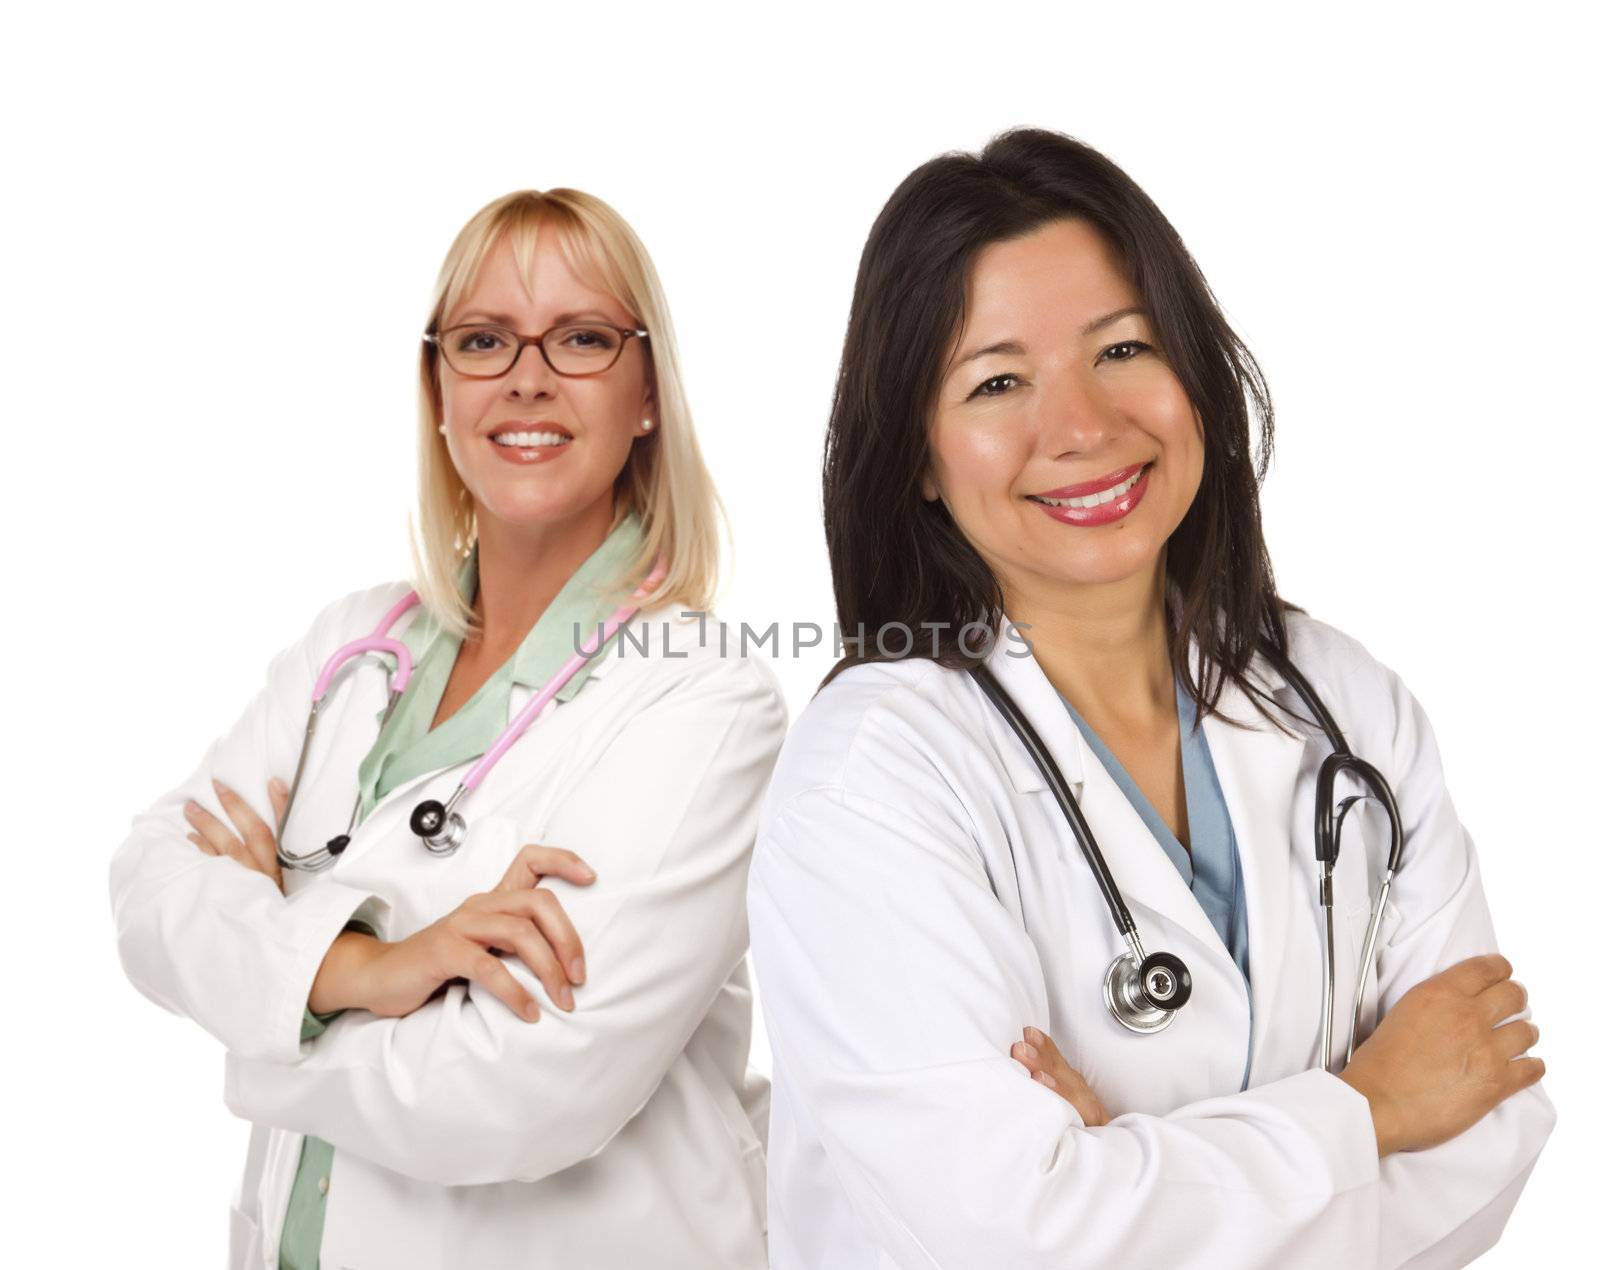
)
(930, 490)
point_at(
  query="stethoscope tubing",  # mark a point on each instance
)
(451, 827)
(1328, 824)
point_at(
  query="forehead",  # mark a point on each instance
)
(1065, 271)
(550, 287)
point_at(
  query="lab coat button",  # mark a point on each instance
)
(322, 1185)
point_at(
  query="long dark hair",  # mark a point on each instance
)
(899, 560)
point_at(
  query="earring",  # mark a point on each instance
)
(441, 429)
(648, 424)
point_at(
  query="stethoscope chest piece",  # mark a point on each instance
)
(442, 831)
(1144, 994)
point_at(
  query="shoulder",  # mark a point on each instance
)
(888, 731)
(668, 651)
(1368, 699)
(357, 613)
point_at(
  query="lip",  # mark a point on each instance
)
(524, 455)
(525, 425)
(1103, 513)
(1107, 481)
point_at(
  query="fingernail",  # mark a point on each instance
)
(565, 998)
(1029, 1052)
(531, 1011)
(577, 970)
(1032, 1033)
(587, 873)
(1047, 1079)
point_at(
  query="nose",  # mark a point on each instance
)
(1077, 416)
(531, 376)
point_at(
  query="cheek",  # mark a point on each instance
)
(464, 401)
(975, 461)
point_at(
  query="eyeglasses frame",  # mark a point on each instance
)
(435, 338)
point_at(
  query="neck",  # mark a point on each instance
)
(1103, 647)
(521, 568)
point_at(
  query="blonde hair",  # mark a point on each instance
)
(664, 480)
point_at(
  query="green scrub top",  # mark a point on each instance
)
(407, 747)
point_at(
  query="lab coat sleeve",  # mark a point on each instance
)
(1444, 1206)
(462, 1091)
(893, 984)
(205, 937)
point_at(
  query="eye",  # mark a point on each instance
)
(982, 390)
(482, 339)
(1135, 345)
(588, 337)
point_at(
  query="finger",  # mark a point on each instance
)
(257, 834)
(534, 862)
(1515, 1038)
(1504, 999)
(202, 844)
(210, 828)
(559, 932)
(1047, 1080)
(1041, 1041)
(1026, 1055)
(541, 907)
(278, 792)
(513, 934)
(1477, 973)
(485, 969)
(1526, 1071)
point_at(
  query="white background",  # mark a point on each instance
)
(221, 234)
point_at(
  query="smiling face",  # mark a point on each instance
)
(562, 441)
(1062, 444)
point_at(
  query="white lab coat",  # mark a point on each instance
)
(895, 973)
(626, 1133)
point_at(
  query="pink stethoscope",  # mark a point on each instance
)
(439, 825)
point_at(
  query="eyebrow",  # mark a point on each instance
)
(506, 320)
(1016, 347)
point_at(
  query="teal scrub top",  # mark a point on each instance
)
(1210, 868)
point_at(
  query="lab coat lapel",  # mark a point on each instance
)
(1258, 767)
(1143, 873)
(394, 809)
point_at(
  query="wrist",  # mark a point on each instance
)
(338, 985)
(1384, 1128)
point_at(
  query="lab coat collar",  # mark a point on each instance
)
(1020, 674)
(1256, 764)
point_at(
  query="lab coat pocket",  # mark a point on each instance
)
(244, 1241)
(1352, 930)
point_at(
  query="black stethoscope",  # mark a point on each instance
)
(1143, 990)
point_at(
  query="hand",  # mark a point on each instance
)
(518, 916)
(1038, 1053)
(1437, 1063)
(258, 849)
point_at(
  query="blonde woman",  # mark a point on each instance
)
(504, 1025)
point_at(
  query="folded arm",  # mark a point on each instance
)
(462, 1090)
(893, 983)
(205, 937)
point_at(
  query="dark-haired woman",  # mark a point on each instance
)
(1038, 466)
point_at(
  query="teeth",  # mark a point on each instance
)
(1093, 500)
(525, 439)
